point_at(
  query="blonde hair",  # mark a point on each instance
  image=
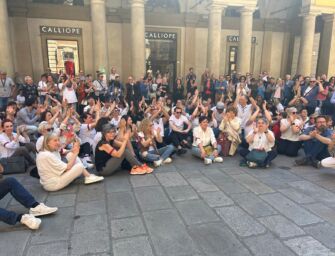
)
(47, 138)
(145, 124)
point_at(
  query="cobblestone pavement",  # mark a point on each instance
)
(185, 208)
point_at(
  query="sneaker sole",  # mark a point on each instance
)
(43, 214)
(92, 181)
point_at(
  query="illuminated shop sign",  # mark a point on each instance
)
(60, 30)
(237, 39)
(160, 36)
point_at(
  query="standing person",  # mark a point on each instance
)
(220, 88)
(189, 78)
(110, 153)
(56, 174)
(69, 92)
(208, 89)
(42, 88)
(132, 90)
(30, 90)
(6, 88)
(178, 90)
(261, 141)
(100, 87)
(309, 92)
(12, 186)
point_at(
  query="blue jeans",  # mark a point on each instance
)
(271, 155)
(11, 185)
(197, 153)
(162, 153)
(3, 103)
(315, 149)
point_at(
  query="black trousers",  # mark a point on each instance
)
(177, 138)
(288, 148)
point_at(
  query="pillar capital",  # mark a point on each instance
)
(216, 6)
(98, 2)
(139, 3)
(247, 10)
(309, 14)
(328, 17)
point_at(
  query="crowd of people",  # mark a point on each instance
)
(66, 126)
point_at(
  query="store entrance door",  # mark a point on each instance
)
(161, 54)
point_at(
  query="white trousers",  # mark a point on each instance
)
(328, 162)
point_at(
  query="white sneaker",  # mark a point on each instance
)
(158, 163)
(208, 161)
(167, 161)
(30, 221)
(92, 179)
(42, 209)
(86, 164)
(218, 159)
(252, 164)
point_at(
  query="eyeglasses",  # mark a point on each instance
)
(178, 112)
(50, 129)
(294, 113)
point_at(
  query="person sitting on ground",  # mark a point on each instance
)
(149, 151)
(110, 153)
(29, 115)
(12, 186)
(56, 174)
(230, 128)
(290, 127)
(44, 128)
(261, 141)
(316, 141)
(204, 143)
(329, 162)
(178, 134)
(10, 143)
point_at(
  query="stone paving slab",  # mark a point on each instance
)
(184, 208)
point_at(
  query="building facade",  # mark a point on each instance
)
(280, 37)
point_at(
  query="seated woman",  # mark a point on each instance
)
(10, 142)
(148, 138)
(204, 143)
(290, 127)
(108, 158)
(230, 128)
(54, 173)
(261, 141)
(125, 125)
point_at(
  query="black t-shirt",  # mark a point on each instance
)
(101, 156)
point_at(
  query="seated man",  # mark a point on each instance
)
(204, 143)
(178, 134)
(29, 115)
(316, 140)
(261, 141)
(11, 185)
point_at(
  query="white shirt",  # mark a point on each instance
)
(99, 86)
(97, 138)
(178, 122)
(115, 122)
(158, 123)
(8, 147)
(86, 134)
(261, 142)
(289, 134)
(141, 135)
(244, 113)
(204, 137)
(42, 86)
(39, 143)
(50, 167)
(70, 95)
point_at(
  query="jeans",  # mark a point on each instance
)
(271, 155)
(11, 185)
(197, 153)
(162, 153)
(3, 103)
(315, 149)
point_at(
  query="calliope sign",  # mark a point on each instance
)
(237, 39)
(60, 30)
(160, 35)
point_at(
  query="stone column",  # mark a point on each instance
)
(214, 38)
(326, 63)
(306, 44)
(244, 49)
(190, 41)
(6, 54)
(99, 35)
(137, 38)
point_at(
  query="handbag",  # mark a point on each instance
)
(256, 156)
(224, 143)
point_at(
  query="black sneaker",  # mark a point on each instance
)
(316, 164)
(181, 151)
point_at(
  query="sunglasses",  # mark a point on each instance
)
(294, 113)
(50, 129)
(178, 112)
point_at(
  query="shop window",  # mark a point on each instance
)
(63, 55)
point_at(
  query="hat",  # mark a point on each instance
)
(220, 105)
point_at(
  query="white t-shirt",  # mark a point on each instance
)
(86, 134)
(42, 86)
(141, 135)
(158, 123)
(178, 122)
(97, 138)
(70, 95)
(289, 134)
(115, 122)
(244, 113)
(261, 141)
